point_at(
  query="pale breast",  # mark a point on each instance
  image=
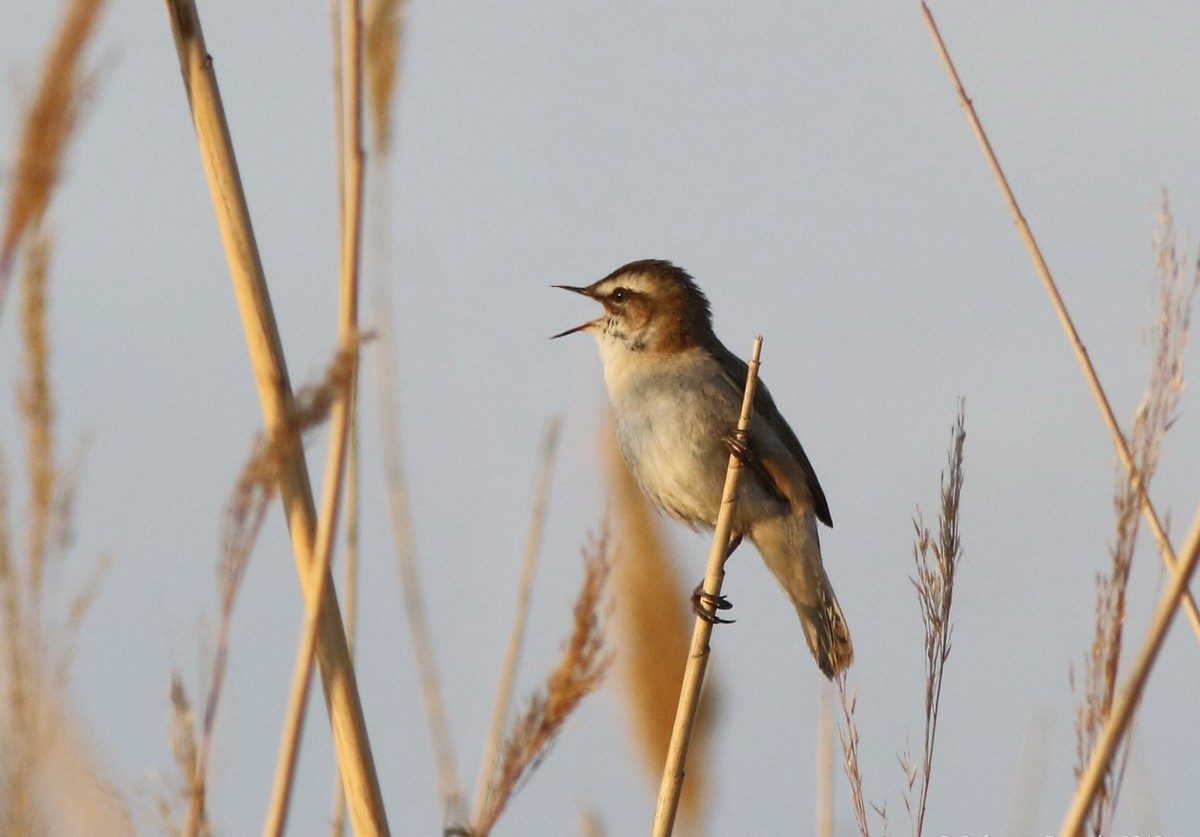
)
(670, 422)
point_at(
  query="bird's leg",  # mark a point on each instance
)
(706, 605)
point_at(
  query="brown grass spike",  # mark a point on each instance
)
(579, 671)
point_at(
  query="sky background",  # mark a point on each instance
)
(809, 165)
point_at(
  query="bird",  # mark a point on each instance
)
(676, 394)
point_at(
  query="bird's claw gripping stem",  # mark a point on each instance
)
(706, 605)
(739, 448)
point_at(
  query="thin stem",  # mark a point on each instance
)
(449, 789)
(1085, 363)
(693, 675)
(270, 371)
(512, 654)
(339, 421)
(825, 763)
(1127, 701)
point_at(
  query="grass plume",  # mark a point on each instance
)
(936, 561)
(1170, 331)
(653, 622)
(40, 743)
(579, 670)
(383, 29)
(48, 126)
(516, 640)
(241, 523)
(848, 732)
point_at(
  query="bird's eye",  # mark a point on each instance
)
(619, 295)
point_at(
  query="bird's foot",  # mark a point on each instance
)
(706, 605)
(739, 448)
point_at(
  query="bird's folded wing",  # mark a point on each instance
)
(764, 407)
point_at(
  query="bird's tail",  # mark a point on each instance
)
(792, 552)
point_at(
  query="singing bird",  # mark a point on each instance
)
(676, 392)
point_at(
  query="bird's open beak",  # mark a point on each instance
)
(584, 326)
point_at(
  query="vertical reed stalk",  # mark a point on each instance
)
(693, 677)
(512, 654)
(825, 763)
(351, 247)
(266, 355)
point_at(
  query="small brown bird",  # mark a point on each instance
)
(676, 392)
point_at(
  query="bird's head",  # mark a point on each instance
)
(649, 306)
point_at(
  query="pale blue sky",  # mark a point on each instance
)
(809, 165)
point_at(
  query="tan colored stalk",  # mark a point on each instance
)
(335, 469)
(338, 818)
(266, 355)
(350, 583)
(1089, 371)
(1127, 701)
(449, 790)
(693, 676)
(516, 639)
(825, 763)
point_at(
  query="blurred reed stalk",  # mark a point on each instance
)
(449, 789)
(47, 129)
(241, 523)
(936, 560)
(1156, 413)
(693, 678)
(824, 824)
(1031, 776)
(516, 640)
(1170, 560)
(653, 620)
(578, 673)
(266, 354)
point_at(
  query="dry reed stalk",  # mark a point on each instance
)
(1169, 557)
(693, 678)
(48, 126)
(590, 825)
(351, 249)
(848, 732)
(1031, 777)
(936, 560)
(825, 763)
(1126, 701)
(653, 621)
(1155, 414)
(266, 354)
(579, 671)
(449, 790)
(241, 523)
(384, 29)
(350, 583)
(516, 639)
